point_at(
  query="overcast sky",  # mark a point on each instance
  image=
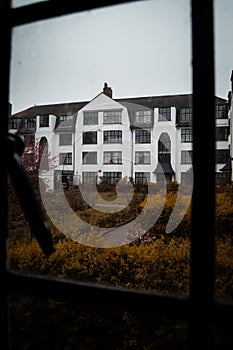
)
(140, 49)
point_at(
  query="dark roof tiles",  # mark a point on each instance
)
(55, 109)
(178, 101)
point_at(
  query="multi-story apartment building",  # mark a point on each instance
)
(105, 139)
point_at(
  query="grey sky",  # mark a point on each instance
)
(140, 49)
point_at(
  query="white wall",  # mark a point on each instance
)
(100, 104)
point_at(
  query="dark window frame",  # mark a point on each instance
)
(112, 157)
(200, 308)
(113, 136)
(111, 177)
(165, 114)
(142, 136)
(89, 157)
(44, 121)
(89, 138)
(186, 114)
(65, 120)
(186, 156)
(222, 133)
(222, 111)
(186, 135)
(65, 158)
(222, 156)
(141, 178)
(89, 177)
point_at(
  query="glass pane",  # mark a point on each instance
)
(224, 152)
(121, 222)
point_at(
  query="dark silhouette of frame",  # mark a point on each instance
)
(200, 308)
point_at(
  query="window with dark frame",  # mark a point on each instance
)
(223, 177)
(142, 178)
(111, 177)
(14, 123)
(222, 156)
(89, 157)
(222, 133)
(65, 120)
(44, 120)
(29, 123)
(186, 177)
(186, 135)
(164, 148)
(186, 157)
(90, 137)
(113, 136)
(186, 114)
(113, 157)
(65, 158)
(142, 136)
(89, 177)
(222, 111)
(164, 113)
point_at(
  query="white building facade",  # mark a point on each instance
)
(143, 139)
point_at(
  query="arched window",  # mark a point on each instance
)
(164, 148)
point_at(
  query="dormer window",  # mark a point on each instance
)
(65, 120)
(221, 111)
(164, 113)
(44, 120)
(143, 117)
(186, 114)
(14, 123)
(29, 123)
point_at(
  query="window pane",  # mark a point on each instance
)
(90, 118)
(110, 134)
(65, 139)
(90, 137)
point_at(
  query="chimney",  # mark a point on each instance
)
(107, 90)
